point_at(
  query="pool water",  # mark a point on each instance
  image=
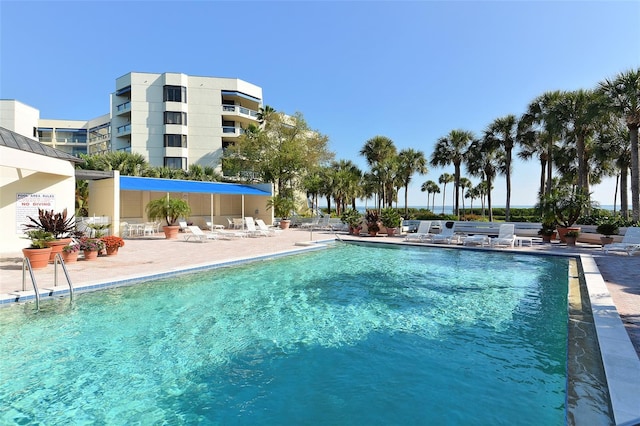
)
(348, 335)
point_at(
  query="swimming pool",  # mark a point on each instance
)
(354, 334)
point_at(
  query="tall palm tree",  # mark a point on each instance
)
(465, 184)
(534, 143)
(503, 132)
(542, 116)
(410, 161)
(614, 145)
(483, 161)
(623, 95)
(451, 149)
(265, 113)
(430, 187)
(378, 151)
(580, 112)
(444, 179)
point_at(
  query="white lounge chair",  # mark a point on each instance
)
(448, 235)
(421, 233)
(195, 233)
(476, 240)
(252, 231)
(630, 242)
(506, 237)
(271, 231)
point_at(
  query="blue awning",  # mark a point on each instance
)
(132, 183)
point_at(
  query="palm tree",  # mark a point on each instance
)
(541, 116)
(623, 95)
(483, 161)
(534, 143)
(464, 184)
(579, 112)
(444, 179)
(378, 152)
(265, 113)
(410, 162)
(430, 187)
(613, 144)
(503, 132)
(451, 149)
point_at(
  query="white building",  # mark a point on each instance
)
(171, 119)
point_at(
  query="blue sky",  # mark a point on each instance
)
(411, 71)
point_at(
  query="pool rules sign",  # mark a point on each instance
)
(28, 205)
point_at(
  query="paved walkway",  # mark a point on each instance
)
(142, 257)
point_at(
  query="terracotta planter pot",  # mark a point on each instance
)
(571, 241)
(391, 232)
(606, 240)
(284, 224)
(39, 258)
(171, 232)
(90, 255)
(563, 231)
(70, 257)
(56, 247)
(112, 251)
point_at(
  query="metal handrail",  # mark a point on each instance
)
(26, 264)
(58, 260)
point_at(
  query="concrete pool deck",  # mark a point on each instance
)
(619, 285)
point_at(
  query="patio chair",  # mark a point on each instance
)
(199, 235)
(271, 231)
(312, 224)
(421, 233)
(252, 231)
(630, 242)
(238, 223)
(476, 240)
(506, 236)
(448, 235)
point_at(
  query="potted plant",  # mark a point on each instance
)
(169, 209)
(391, 220)
(352, 219)
(39, 251)
(61, 227)
(566, 204)
(571, 236)
(607, 229)
(282, 207)
(112, 244)
(373, 222)
(70, 253)
(91, 247)
(548, 230)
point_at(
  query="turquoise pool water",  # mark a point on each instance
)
(348, 335)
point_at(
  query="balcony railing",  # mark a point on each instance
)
(240, 110)
(124, 130)
(123, 107)
(230, 130)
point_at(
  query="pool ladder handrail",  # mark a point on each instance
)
(26, 264)
(57, 260)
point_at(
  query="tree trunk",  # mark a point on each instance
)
(635, 172)
(456, 183)
(507, 210)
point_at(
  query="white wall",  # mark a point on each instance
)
(25, 172)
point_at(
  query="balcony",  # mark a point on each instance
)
(230, 131)
(123, 108)
(240, 111)
(123, 130)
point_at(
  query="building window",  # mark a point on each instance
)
(175, 162)
(171, 117)
(175, 94)
(177, 141)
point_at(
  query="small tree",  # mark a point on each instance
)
(169, 209)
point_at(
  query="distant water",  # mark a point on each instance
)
(449, 209)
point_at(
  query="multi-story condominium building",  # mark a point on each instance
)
(175, 120)
(171, 119)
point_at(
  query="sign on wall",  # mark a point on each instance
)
(28, 205)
